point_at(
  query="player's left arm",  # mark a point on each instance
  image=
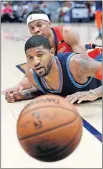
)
(72, 38)
(90, 95)
(81, 68)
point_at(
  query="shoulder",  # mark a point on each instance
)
(67, 28)
(27, 69)
(29, 73)
(78, 65)
(58, 28)
(30, 77)
(69, 35)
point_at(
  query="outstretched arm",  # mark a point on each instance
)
(23, 95)
(90, 95)
(81, 68)
(30, 90)
(22, 85)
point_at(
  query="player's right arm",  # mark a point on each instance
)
(22, 95)
(22, 85)
(29, 90)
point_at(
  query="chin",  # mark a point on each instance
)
(41, 74)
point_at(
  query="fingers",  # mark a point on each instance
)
(74, 100)
(71, 99)
(79, 96)
(7, 90)
(87, 98)
(82, 99)
(9, 97)
(77, 99)
(4, 91)
(74, 97)
(13, 96)
(13, 89)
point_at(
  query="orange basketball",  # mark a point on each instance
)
(49, 128)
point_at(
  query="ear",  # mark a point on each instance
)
(49, 23)
(52, 51)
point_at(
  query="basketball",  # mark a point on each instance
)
(49, 128)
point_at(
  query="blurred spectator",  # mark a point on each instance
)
(45, 7)
(61, 12)
(67, 9)
(7, 13)
(98, 18)
(17, 11)
(66, 6)
(88, 4)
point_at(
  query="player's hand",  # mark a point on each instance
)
(12, 97)
(13, 89)
(17, 96)
(81, 96)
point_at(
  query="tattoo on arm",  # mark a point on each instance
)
(86, 66)
(31, 93)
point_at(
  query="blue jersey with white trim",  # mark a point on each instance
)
(67, 83)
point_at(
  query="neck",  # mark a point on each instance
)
(51, 39)
(53, 71)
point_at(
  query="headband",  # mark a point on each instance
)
(34, 17)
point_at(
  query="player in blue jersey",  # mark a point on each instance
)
(60, 75)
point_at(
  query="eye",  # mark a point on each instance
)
(31, 58)
(40, 55)
(32, 28)
(39, 24)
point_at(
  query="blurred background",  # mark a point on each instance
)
(58, 11)
(85, 16)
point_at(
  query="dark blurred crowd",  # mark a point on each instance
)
(57, 11)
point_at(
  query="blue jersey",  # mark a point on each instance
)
(67, 83)
(98, 5)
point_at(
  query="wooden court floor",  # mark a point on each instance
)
(89, 152)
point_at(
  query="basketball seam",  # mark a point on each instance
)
(48, 106)
(59, 126)
(59, 151)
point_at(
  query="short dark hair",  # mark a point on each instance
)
(37, 11)
(37, 40)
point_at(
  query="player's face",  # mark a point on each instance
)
(40, 60)
(39, 27)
